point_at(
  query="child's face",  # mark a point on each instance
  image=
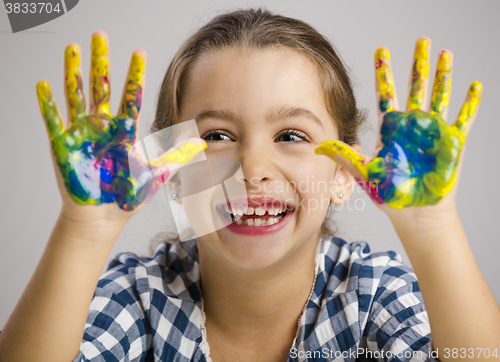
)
(276, 151)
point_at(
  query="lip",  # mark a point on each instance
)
(265, 202)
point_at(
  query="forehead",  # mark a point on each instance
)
(251, 82)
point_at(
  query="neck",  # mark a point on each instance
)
(256, 302)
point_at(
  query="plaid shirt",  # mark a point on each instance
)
(363, 306)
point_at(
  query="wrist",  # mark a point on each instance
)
(429, 235)
(92, 228)
(432, 218)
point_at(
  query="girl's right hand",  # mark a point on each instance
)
(92, 151)
(95, 159)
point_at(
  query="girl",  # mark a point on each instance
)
(270, 92)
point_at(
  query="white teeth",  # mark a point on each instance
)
(276, 211)
(260, 211)
(249, 211)
(239, 209)
(258, 222)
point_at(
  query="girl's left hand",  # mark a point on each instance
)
(417, 158)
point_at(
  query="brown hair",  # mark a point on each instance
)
(259, 29)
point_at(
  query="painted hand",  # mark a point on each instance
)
(417, 157)
(92, 151)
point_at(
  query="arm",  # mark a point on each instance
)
(47, 323)
(93, 172)
(462, 310)
(413, 177)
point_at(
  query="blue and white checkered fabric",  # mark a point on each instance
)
(363, 307)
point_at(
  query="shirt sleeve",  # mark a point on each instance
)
(398, 326)
(116, 328)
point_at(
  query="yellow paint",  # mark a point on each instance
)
(332, 148)
(470, 106)
(133, 87)
(183, 155)
(49, 109)
(417, 165)
(442, 85)
(385, 81)
(403, 194)
(74, 87)
(137, 66)
(99, 74)
(420, 74)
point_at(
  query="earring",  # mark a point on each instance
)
(175, 196)
(341, 196)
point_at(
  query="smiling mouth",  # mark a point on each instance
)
(241, 215)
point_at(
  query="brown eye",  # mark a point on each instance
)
(215, 136)
(293, 136)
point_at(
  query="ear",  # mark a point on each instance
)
(343, 182)
(175, 188)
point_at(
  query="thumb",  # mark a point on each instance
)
(346, 157)
(147, 175)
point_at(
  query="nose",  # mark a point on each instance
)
(257, 164)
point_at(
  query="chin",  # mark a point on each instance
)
(256, 254)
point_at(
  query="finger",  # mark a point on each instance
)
(346, 157)
(180, 154)
(419, 80)
(75, 97)
(99, 74)
(161, 168)
(441, 90)
(159, 171)
(50, 112)
(469, 109)
(134, 86)
(385, 87)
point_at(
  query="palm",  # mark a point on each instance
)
(92, 152)
(418, 154)
(95, 166)
(417, 164)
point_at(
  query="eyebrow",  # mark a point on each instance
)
(281, 113)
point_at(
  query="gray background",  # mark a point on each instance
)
(30, 201)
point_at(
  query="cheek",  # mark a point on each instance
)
(199, 199)
(313, 180)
